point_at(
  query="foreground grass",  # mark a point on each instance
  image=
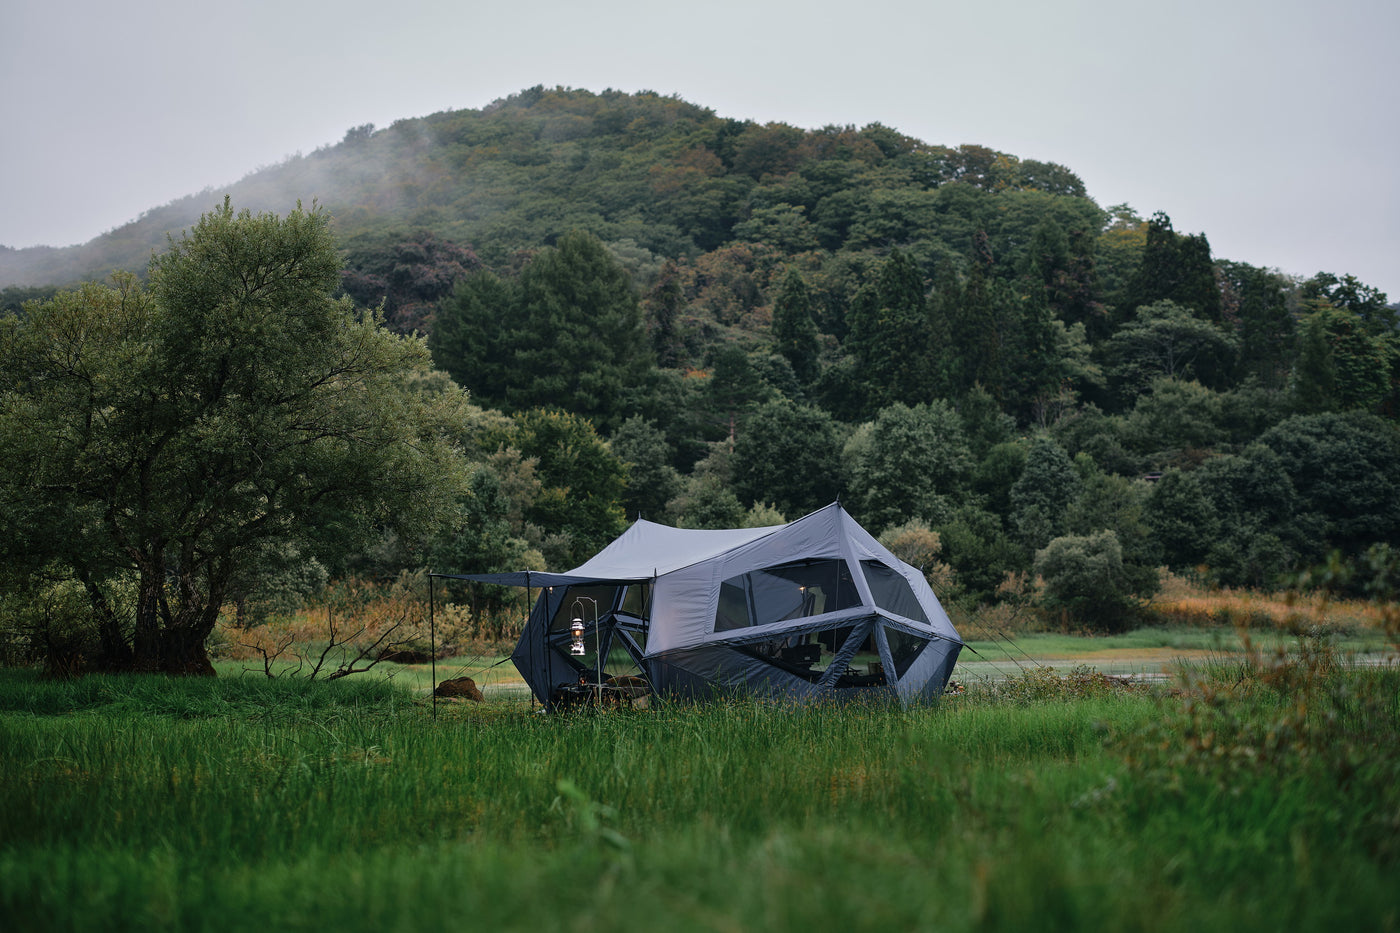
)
(228, 804)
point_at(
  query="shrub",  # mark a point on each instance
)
(1085, 581)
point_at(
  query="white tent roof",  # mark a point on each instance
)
(648, 549)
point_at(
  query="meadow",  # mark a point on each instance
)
(1258, 790)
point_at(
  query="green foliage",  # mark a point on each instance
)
(1165, 339)
(1118, 504)
(1174, 422)
(651, 479)
(567, 332)
(794, 329)
(980, 552)
(891, 335)
(1257, 299)
(1347, 293)
(579, 503)
(704, 503)
(1085, 581)
(1041, 498)
(1341, 363)
(13, 298)
(994, 477)
(1346, 470)
(191, 430)
(1184, 522)
(842, 268)
(1177, 268)
(1262, 530)
(789, 455)
(405, 276)
(908, 463)
(481, 539)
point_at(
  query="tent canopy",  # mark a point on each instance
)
(816, 607)
(642, 552)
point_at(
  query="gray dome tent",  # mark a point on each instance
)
(816, 608)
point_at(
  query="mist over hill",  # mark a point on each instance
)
(655, 172)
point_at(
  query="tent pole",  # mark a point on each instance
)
(529, 610)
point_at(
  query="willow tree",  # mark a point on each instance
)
(156, 442)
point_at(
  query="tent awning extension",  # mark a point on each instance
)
(643, 552)
(538, 578)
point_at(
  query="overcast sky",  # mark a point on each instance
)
(1269, 125)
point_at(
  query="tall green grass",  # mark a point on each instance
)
(133, 803)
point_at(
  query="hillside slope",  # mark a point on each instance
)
(642, 170)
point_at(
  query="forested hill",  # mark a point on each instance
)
(757, 319)
(655, 172)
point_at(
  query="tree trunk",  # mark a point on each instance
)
(113, 649)
(183, 652)
(146, 637)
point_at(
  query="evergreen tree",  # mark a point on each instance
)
(651, 479)
(582, 483)
(582, 341)
(1177, 268)
(1346, 470)
(567, 332)
(1182, 519)
(474, 336)
(1256, 306)
(794, 330)
(890, 335)
(975, 327)
(663, 308)
(1041, 498)
(1340, 365)
(1062, 267)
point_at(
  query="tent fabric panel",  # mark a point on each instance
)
(691, 594)
(865, 547)
(725, 671)
(647, 549)
(538, 665)
(804, 626)
(686, 601)
(928, 676)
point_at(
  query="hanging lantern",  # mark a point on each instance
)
(576, 633)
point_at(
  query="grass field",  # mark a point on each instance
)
(1262, 791)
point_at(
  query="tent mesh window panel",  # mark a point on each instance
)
(904, 649)
(636, 601)
(617, 661)
(579, 600)
(788, 591)
(810, 656)
(892, 592)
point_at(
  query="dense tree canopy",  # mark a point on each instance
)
(568, 331)
(157, 440)
(669, 312)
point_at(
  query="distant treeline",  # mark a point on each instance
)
(712, 322)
